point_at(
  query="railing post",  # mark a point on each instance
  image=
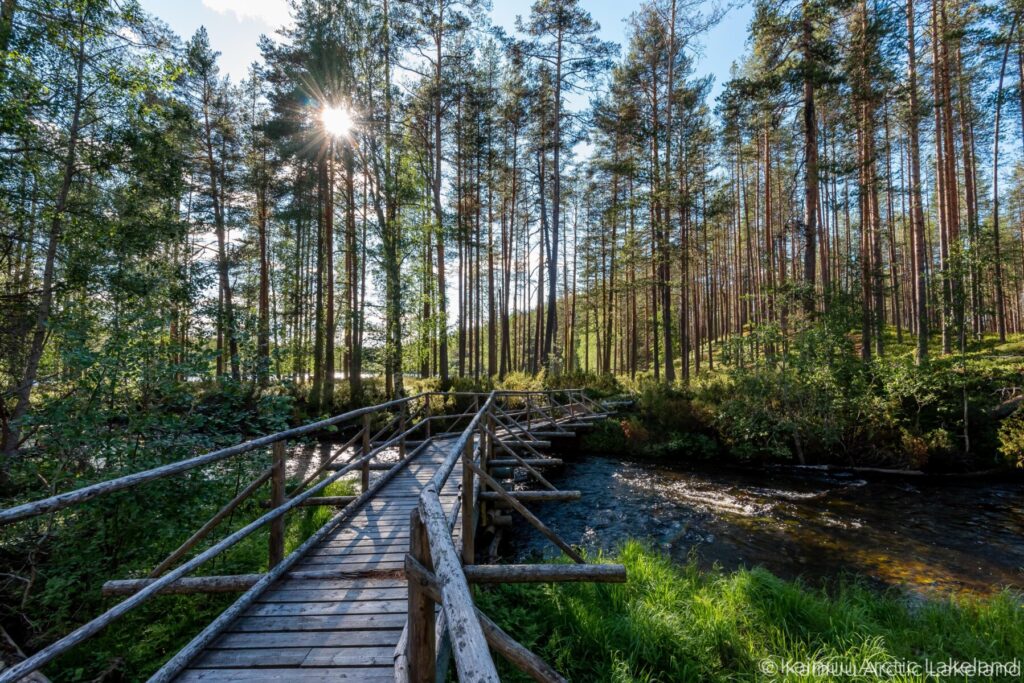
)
(426, 415)
(277, 497)
(488, 452)
(365, 478)
(403, 411)
(420, 645)
(529, 403)
(468, 521)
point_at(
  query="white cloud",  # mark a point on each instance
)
(273, 13)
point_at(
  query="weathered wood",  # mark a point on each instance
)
(373, 466)
(364, 478)
(553, 435)
(402, 412)
(329, 500)
(291, 609)
(546, 573)
(63, 500)
(519, 656)
(338, 602)
(277, 484)
(379, 674)
(333, 595)
(530, 517)
(532, 496)
(210, 525)
(350, 639)
(469, 647)
(522, 461)
(468, 516)
(420, 653)
(189, 585)
(534, 462)
(11, 652)
(179, 661)
(233, 583)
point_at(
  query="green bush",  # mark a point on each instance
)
(1011, 438)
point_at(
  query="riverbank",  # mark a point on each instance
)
(818, 404)
(681, 623)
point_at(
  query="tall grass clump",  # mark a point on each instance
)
(679, 623)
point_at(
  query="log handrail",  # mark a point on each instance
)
(469, 648)
(69, 498)
(434, 570)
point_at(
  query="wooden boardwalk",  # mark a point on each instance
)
(339, 607)
(333, 629)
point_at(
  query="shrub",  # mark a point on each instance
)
(1011, 438)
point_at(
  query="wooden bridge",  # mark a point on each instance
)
(382, 590)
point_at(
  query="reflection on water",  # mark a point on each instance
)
(931, 536)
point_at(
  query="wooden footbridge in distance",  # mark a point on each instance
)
(381, 592)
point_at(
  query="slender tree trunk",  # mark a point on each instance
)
(23, 392)
(916, 210)
(810, 165)
(1000, 303)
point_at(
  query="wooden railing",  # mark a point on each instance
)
(495, 420)
(435, 572)
(411, 414)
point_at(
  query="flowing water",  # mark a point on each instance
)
(958, 536)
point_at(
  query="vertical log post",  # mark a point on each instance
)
(468, 523)
(420, 651)
(365, 478)
(277, 485)
(402, 412)
(491, 429)
(426, 415)
(529, 402)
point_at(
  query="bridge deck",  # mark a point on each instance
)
(333, 629)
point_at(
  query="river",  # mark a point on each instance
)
(930, 536)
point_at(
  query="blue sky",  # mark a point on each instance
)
(235, 26)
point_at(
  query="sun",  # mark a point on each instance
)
(337, 121)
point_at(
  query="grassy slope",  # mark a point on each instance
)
(670, 623)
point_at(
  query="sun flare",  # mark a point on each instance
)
(337, 121)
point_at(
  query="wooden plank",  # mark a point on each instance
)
(366, 656)
(350, 564)
(288, 609)
(398, 538)
(323, 675)
(329, 595)
(278, 657)
(359, 549)
(344, 557)
(333, 584)
(349, 639)
(251, 658)
(352, 622)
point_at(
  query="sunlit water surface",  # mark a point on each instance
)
(929, 536)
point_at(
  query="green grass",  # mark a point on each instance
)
(678, 623)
